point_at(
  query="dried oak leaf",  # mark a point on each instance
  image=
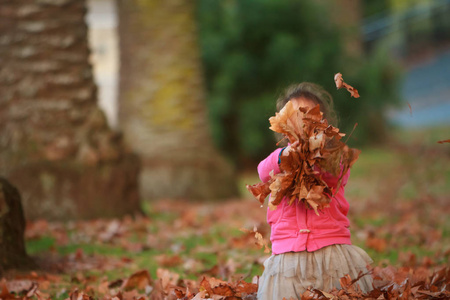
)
(340, 83)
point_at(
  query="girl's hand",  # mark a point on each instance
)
(291, 147)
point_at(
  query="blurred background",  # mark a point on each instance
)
(396, 52)
(174, 97)
(111, 108)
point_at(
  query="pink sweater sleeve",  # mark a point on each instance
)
(345, 178)
(269, 164)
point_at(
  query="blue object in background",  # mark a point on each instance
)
(426, 88)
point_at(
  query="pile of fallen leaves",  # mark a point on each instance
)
(196, 250)
(389, 283)
(139, 285)
(171, 272)
(320, 150)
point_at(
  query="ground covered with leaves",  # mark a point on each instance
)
(399, 214)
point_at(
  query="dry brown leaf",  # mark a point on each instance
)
(244, 288)
(376, 243)
(165, 260)
(341, 84)
(288, 121)
(260, 240)
(79, 295)
(444, 141)
(260, 191)
(200, 295)
(138, 280)
(410, 108)
(33, 290)
(167, 278)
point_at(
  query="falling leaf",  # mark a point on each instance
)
(341, 84)
(410, 108)
(444, 141)
(260, 240)
(339, 80)
(354, 127)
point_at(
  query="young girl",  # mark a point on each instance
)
(309, 250)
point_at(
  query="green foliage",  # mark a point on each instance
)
(39, 245)
(371, 7)
(253, 49)
(377, 79)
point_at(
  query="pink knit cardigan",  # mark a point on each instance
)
(297, 228)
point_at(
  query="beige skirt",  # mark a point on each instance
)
(288, 275)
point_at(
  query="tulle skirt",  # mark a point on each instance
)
(288, 275)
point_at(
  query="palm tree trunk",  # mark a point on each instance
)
(162, 108)
(55, 144)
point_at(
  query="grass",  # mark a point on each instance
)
(40, 245)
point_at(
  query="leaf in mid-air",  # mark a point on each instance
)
(340, 83)
(444, 141)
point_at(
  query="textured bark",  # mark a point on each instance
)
(162, 108)
(347, 15)
(12, 229)
(52, 134)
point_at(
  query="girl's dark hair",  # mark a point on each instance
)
(314, 93)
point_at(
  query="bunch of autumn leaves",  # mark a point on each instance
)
(319, 150)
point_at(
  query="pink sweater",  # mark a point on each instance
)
(297, 228)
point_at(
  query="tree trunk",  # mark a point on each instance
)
(55, 144)
(347, 14)
(162, 108)
(12, 229)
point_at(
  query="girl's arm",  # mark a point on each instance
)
(290, 147)
(269, 164)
